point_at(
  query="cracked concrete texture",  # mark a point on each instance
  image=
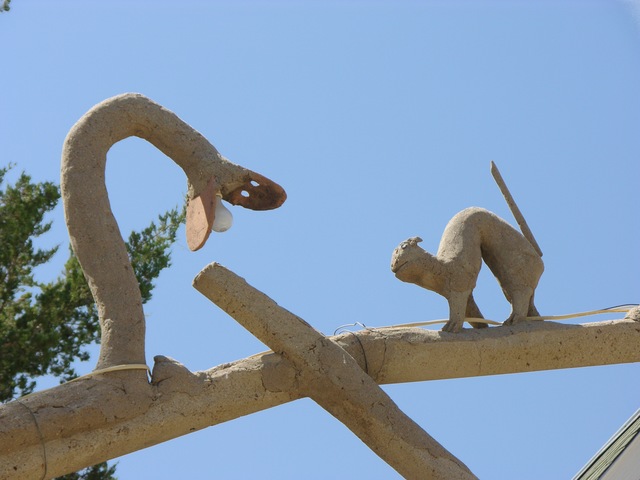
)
(236, 389)
(330, 376)
(111, 414)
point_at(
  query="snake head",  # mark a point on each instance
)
(252, 191)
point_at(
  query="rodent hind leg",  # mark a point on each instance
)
(521, 301)
(533, 311)
(474, 312)
(457, 308)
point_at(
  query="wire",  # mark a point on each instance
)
(624, 308)
(40, 437)
(344, 327)
(114, 368)
(364, 352)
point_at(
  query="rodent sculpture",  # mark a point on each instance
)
(471, 236)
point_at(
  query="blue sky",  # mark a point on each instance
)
(379, 119)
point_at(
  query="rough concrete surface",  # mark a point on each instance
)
(114, 412)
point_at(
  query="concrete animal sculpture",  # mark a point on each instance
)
(93, 229)
(473, 235)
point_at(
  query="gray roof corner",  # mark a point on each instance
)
(619, 458)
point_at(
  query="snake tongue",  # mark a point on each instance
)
(200, 216)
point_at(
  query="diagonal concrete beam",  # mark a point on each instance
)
(331, 377)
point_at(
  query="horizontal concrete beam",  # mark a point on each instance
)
(102, 417)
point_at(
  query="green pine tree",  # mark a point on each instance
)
(44, 326)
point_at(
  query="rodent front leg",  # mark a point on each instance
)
(457, 311)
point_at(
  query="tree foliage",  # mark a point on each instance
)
(45, 326)
(101, 471)
(5, 6)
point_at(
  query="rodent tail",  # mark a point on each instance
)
(522, 223)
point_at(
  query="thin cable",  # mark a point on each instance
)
(40, 436)
(617, 309)
(364, 353)
(582, 314)
(114, 368)
(342, 327)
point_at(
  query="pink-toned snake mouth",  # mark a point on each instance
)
(257, 193)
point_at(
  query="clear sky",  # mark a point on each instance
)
(379, 119)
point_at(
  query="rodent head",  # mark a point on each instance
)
(404, 259)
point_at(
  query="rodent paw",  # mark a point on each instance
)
(452, 327)
(514, 319)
